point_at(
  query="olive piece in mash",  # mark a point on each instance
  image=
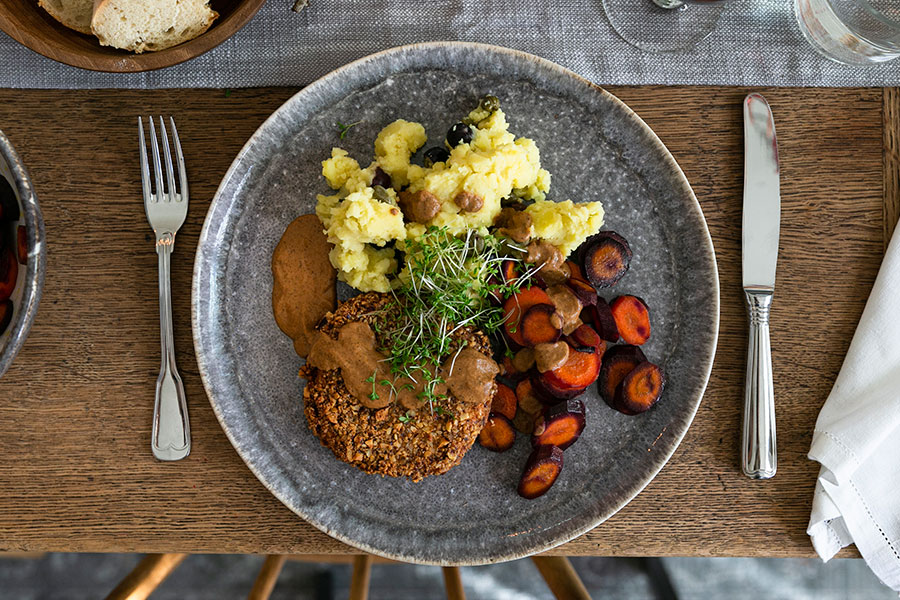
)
(459, 134)
(490, 103)
(435, 155)
(381, 178)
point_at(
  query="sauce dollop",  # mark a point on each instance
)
(467, 374)
(303, 281)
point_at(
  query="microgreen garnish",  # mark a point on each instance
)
(447, 285)
(345, 128)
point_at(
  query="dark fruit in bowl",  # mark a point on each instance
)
(640, 389)
(459, 134)
(516, 306)
(560, 425)
(9, 205)
(21, 245)
(435, 155)
(603, 321)
(618, 362)
(504, 402)
(605, 262)
(9, 272)
(6, 313)
(498, 434)
(541, 470)
(537, 325)
(632, 318)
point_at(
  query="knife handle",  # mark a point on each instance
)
(758, 454)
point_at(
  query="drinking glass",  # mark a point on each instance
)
(663, 25)
(853, 32)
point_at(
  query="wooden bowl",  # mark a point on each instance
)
(33, 27)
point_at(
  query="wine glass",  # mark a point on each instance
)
(663, 25)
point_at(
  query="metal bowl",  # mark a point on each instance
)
(23, 253)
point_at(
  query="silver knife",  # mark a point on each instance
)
(759, 241)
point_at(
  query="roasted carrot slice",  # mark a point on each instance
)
(543, 467)
(583, 290)
(6, 313)
(632, 319)
(498, 433)
(560, 425)
(537, 325)
(528, 400)
(640, 389)
(605, 263)
(618, 362)
(575, 270)
(524, 422)
(603, 321)
(504, 402)
(21, 245)
(548, 392)
(585, 338)
(516, 305)
(9, 271)
(509, 271)
(580, 371)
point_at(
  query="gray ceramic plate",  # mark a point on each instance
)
(596, 149)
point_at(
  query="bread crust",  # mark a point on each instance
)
(80, 22)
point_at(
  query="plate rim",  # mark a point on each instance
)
(544, 63)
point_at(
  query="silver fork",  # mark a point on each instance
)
(166, 210)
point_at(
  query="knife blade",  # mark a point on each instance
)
(759, 254)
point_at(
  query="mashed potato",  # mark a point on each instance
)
(492, 165)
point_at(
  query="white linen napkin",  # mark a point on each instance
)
(857, 438)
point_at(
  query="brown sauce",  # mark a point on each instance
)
(554, 270)
(303, 281)
(550, 356)
(468, 374)
(567, 317)
(362, 366)
(514, 224)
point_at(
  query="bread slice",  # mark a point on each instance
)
(74, 14)
(140, 25)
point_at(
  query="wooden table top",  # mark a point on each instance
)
(76, 405)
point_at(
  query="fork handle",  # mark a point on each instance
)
(758, 451)
(171, 428)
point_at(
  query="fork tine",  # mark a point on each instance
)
(182, 172)
(145, 166)
(170, 175)
(157, 167)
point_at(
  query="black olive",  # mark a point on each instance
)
(381, 178)
(459, 134)
(436, 155)
(490, 104)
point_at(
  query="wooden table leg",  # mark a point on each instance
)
(561, 577)
(146, 576)
(268, 575)
(453, 584)
(359, 584)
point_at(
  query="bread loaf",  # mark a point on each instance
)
(74, 14)
(140, 25)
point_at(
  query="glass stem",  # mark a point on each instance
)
(668, 3)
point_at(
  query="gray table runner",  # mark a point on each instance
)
(756, 43)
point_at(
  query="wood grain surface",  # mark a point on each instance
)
(75, 408)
